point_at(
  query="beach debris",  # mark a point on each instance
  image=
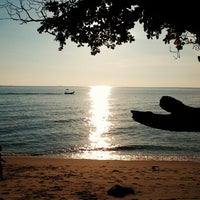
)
(155, 168)
(120, 191)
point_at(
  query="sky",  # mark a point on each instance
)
(32, 59)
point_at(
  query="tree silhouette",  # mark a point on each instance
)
(109, 23)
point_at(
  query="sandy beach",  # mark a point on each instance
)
(54, 178)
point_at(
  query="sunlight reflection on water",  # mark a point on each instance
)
(99, 116)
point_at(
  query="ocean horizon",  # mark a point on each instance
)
(93, 123)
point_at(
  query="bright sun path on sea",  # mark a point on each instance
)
(99, 116)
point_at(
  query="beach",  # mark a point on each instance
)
(60, 178)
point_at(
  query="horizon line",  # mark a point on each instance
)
(98, 85)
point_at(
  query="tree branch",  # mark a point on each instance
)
(24, 11)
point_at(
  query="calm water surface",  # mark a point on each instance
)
(94, 123)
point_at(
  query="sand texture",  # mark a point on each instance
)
(54, 178)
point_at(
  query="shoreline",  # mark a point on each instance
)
(35, 177)
(104, 156)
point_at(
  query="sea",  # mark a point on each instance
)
(93, 123)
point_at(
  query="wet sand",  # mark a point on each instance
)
(54, 178)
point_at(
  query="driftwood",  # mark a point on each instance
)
(180, 118)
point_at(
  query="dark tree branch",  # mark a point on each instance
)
(25, 11)
(180, 117)
(109, 23)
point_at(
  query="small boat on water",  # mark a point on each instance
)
(67, 91)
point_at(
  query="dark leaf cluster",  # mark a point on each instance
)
(95, 23)
(109, 22)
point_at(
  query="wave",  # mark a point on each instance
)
(145, 147)
(65, 120)
(130, 149)
(130, 152)
(151, 148)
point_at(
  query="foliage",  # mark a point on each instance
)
(109, 22)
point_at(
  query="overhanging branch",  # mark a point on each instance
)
(24, 11)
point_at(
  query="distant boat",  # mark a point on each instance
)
(69, 92)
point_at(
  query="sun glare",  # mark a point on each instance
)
(99, 116)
